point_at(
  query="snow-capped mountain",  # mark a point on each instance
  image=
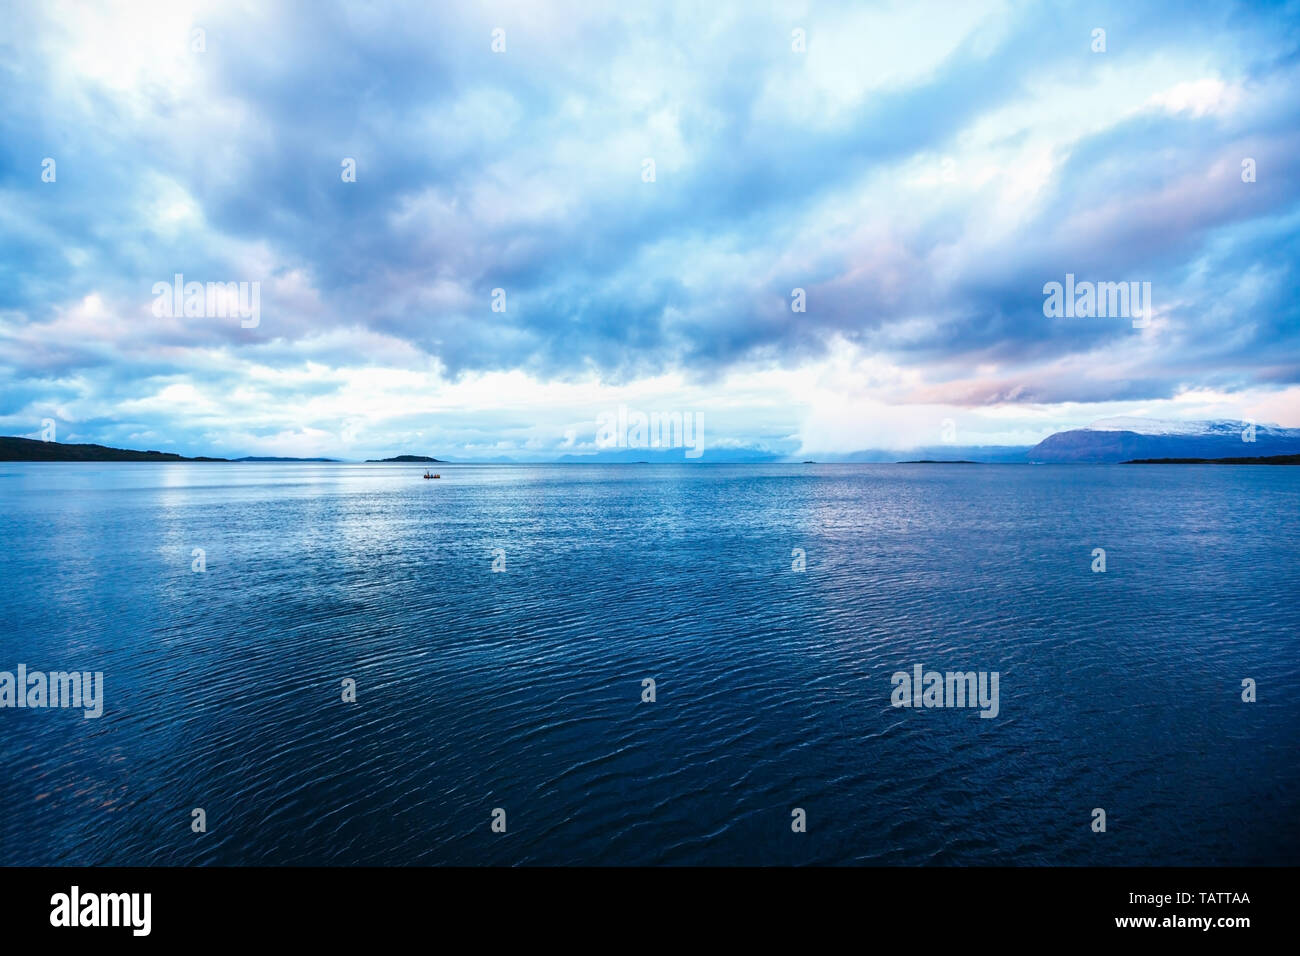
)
(1123, 439)
(1156, 426)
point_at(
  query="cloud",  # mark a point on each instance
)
(920, 172)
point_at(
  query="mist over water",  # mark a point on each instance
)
(522, 689)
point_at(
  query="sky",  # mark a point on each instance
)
(646, 184)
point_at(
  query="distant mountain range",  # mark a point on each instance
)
(260, 458)
(670, 456)
(1109, 440)
(978, 454)
(1122, 440)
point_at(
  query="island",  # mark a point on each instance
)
(421, 459)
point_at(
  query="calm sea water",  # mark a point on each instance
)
(522, 690)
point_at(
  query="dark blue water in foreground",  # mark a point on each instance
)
(522, 690)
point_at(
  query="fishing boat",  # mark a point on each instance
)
(427, 475)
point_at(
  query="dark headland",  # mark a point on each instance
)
(1265, 460)
(28, 449)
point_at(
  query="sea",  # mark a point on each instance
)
(661, 664)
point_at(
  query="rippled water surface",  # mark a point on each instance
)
(522, 690)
